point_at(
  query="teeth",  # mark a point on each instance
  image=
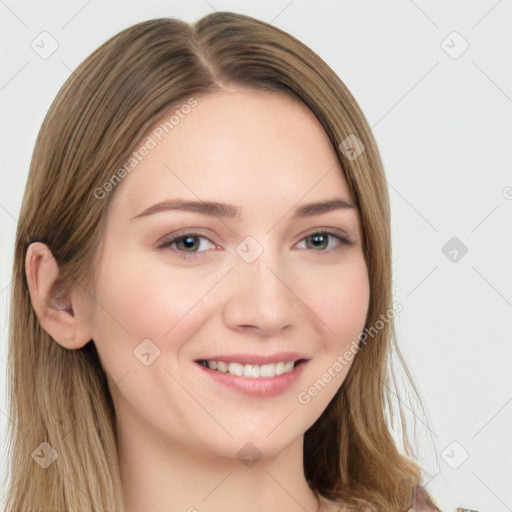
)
(252, 371)
(222, 367)
(288, 367)
(235, 369)
(268, 370)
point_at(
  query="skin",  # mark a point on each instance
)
(179, 430)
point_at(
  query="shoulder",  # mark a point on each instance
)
(331, 506)
(334, 506)
(421, 501)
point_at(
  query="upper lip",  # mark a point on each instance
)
(258, 359)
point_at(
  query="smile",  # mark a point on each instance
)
(257, 380)
(252, 371)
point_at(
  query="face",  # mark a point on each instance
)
(178, 289)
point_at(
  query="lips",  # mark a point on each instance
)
(258, 376)
(253, 366)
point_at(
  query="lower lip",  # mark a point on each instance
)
(258, 386)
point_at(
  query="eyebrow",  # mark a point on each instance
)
(225, 210)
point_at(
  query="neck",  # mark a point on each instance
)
(163, 476)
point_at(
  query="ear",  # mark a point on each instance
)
(63, 317)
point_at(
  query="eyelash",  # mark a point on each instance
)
(343, 239)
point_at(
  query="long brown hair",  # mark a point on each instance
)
(98, 118)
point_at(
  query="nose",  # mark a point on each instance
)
(260, 297)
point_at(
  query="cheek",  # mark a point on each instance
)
(340, 300)
(341, 304)
(139, 299)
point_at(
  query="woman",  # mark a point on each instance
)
(201, 312)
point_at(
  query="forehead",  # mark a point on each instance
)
(237, 146)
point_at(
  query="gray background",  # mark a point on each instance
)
(443, 124)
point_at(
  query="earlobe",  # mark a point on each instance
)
(55, 310)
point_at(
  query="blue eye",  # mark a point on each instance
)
(186, 244)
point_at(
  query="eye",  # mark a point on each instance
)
(320, 237)
(186, 241)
